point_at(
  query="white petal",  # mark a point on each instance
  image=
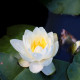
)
(53, 50)
(19, 46)
(55, 37)
(56, 48)
(27, 32)
(35, 67)
(37, 32)
(27, 39)
(46, 62)
(49, 52)
(27, 45)
(28, 36)
(38, 49)
(23, 63)
(40, 33)
(26, 42)
(48, 70)
(37, 56)
(50, 38)
(44, 51)
(50, 34)
(26, 58)
(44, 31)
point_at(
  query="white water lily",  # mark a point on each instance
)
(37, 49)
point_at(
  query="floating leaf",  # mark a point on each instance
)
(10, 70)
(27, 75)
(61, 70)
(13, 32)
(9, 67)
(70, 7)
(5, 46)
(74, 71)
(17, 31)
(74, 68)
(77, 58)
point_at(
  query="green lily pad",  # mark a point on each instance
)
(77, 58)
(10, 70)
(13, 32)
(17, 31)
(27, 75)
(61, 71)
(5, 46)
(70, 7)
(60, 74)
(74, 71)
(74, 68)
(9, 67)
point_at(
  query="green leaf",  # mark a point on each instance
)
(74, 71)
(13, 32)
(77, 58)
(27, 75)
(60, 74)
(61, 70)
(10, 70)
(74, 68)
(70, 7)
(5, 46)
(17, 31)
(9, 67)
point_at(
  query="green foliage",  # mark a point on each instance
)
(74, 68)
(17, 31)
(10, 70)
(74, 71)
(27, 75)
(60, 73)
(9, 67)
(13, 32)
(70, 7)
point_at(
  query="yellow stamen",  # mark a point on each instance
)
(42, 43)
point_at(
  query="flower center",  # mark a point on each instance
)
(42, 43)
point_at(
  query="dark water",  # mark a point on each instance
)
(56, 23)
(31, 12)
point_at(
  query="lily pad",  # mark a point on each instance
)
(74, 71)
(60, 74)
(61, 70)
(17, 31)
(27, 75)
(70, 7)
(74, 68)
(10, 70)
(9, 67)
(5, 46)
(13, 32)
(77, 58)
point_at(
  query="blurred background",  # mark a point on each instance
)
(53, 16)
(30, 12)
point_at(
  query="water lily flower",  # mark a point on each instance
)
(37, 49)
